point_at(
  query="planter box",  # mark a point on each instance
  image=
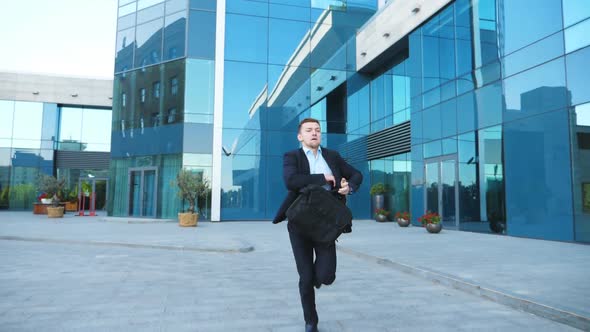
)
(188, 219)
(71, 206)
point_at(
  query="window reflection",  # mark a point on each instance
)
(246, 38)
(575, 11)
(149, 42)
(174, 35)
(201, 34)
(7, 115)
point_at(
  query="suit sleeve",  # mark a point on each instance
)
(293, 179)
(353, 176)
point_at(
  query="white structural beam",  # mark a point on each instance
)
(390, 25)
(218, 113)
(56, 89)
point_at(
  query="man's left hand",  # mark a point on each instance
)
(344, 188)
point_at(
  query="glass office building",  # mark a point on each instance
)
(478, 112)
(56, 126)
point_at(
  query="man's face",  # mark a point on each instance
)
(310, 135)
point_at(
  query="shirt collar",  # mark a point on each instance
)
(306, 150)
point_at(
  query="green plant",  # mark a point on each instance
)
(381, 212)
(192, 187)
(86, 188)
(378, 189)
(403, 215)
(51, 185)
(429, 218)
(71, 195)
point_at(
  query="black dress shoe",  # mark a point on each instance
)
(311, 327)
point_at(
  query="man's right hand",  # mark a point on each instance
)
(330, 178)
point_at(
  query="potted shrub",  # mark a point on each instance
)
(381, 215)
(53, 188)
(403, 218)
(192, 187)
(377, 191)
(431, 220)
(71, 197)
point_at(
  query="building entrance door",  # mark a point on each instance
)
(94, 192)
(143, 183)
(441, 192)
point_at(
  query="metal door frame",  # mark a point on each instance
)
(93, 180)
(439, 161)
(141, 186)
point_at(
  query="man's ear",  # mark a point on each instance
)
(299, 138)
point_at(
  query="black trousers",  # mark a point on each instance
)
(322, 271)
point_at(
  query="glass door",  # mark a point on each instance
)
(441, 190)
(142, 191)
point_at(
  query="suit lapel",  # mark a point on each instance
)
(328, 160)
(303, 162)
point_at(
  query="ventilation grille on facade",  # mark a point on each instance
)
(389, 142)
(82, 159)
(354, 151)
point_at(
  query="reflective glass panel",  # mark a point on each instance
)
(173, 6)
(247, 7)
(535, 54)
(580, 128)
(174, 36)
(489, 105)
(287, 43)
(201, 35)
(578, 72)
(577, 36)
(28, 121)
(7, 115)
(150, 13)
(124, 50)
(246, 38)
(149, 43)
(204, 4)
(199, 91)
(539, 199)
(431, 123)
(289, 12)
(536, 90)
(126, 22)
(127, 9)
(575, 11)
(525, 24)
(449, 118)
(244, 97)
(95, 123)
(70, 128)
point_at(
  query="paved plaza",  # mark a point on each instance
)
(104, 274)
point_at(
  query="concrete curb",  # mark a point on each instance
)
(127, 220)
(245, 248)
(539, 309)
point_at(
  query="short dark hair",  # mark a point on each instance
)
(306, 120)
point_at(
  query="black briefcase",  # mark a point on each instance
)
(317, 213)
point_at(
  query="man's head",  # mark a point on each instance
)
(309, 133)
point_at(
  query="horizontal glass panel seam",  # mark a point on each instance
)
(534, 42)
(561, 109)
(150, 65)
(531, 68)
(178, 11)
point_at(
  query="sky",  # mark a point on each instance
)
(59, 37)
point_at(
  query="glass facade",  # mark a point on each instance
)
(494, 93)
(31, 132)
(284, 61)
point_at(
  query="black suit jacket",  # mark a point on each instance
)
(296, 175)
